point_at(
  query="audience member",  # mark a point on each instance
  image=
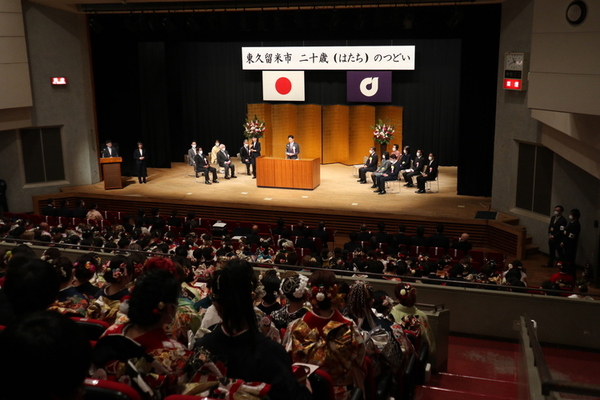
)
(295, 288)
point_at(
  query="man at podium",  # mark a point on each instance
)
(110, 150)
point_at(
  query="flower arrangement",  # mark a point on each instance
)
(383, 132)
(254, 128)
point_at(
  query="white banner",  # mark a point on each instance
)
(325, 57)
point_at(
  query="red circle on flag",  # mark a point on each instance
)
(283, 85)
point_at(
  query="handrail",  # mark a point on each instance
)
(549, 384)
(343, 273)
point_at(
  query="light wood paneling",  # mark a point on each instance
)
(263, 112)
(309, 130)
(361, 134)
(293, 174)
(394, 115)
(285, 122)
(336, 125)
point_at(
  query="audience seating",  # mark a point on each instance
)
(92, 328)
(98, 389)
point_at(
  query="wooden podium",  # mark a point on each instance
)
(290, 174)
(111, 171)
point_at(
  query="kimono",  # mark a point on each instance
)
(334, 343)
(70, 301)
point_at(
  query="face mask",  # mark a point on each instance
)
(405, 152)
(430, 158)
(200, 152)
(418, 154)
(570, 218)
(193, 146)
(555, 212)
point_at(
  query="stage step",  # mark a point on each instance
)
(531, 250)
(473, 384)
(435, 393)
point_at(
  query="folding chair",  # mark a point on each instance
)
(428, 184)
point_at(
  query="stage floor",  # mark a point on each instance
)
(339, 192)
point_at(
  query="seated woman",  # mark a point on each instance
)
(153, 305)
(70, 300)
(294, 287)
(326, 338)
(54, 344)
(411, 317)
(249, 355)
(271, 284)
(118, 274)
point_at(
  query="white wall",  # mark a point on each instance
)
(57, 45)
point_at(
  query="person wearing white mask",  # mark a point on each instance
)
(369, 166)
(191, 155)
(429, 174)
(555, 232)
(570, 239)
(416, 169)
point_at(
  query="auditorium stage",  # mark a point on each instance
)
(338, 193)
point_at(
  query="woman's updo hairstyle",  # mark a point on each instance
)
(86, 266)
(117, 268)
(63, 268)
(150, 296)
(406, 294)
(294, 286)
(323, 289)
(358, 301)
(271, 283)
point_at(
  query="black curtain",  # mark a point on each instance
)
(184, 81)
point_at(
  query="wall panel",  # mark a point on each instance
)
(309, 131)
(360, 134)
(336, 125)
(285, 122)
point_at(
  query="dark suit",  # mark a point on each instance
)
(292, 148)
(556, 230)
(224, 161)
(392, 175)
(405, 161)
(418, 165)
(255, 149)
(429, 174)
(369, 166)
(203, 165)
(79, 212)
(114, 152)
(439, 240)
(245, 158)
(49, 210)
(140, 163)
(570, 240)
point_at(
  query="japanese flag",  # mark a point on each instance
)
(283, 85)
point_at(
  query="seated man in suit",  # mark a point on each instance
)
(385, 163)
(50, 209)
(203, 165)
(417, 168)
(429, 174)
(406, 159)
(390, 175)
(110, 150)
(224, 161)
(463, 243)
(369, 166)
(245, 156)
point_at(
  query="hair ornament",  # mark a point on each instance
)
(159, 308)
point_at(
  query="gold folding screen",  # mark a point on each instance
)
(335, 134)
(336, 125)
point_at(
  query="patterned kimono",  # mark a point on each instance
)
(334, 343)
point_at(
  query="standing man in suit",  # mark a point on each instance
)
(245, 156)
(570, 239)
(390, 175)
(556, 230)
(140, 155)
(369, 166)
(292, 149)
(224, 161)
(416, 170)
(430, 173)
(255, 149)
(192, 155)
(110, 150)
(203, 165)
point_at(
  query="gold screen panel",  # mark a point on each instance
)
(309, 130)
(361, 134)
(336, 125)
